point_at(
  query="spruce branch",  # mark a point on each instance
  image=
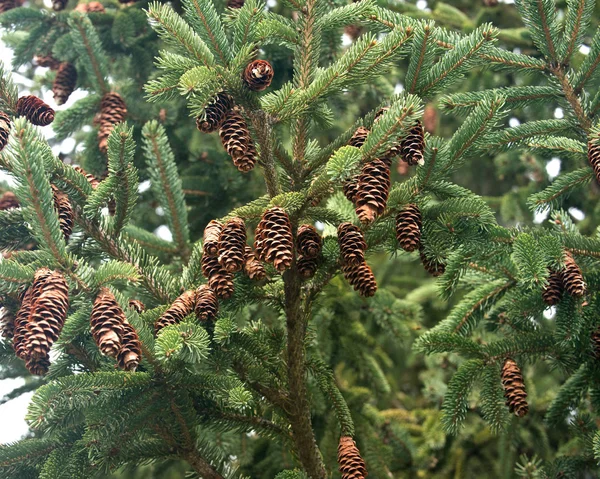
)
(88, 46)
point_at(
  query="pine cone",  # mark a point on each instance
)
(47, 61)
(63, 207)
(307, 267)
(4, 130)
(91, 7)
(215, 113)
(235, 3)
(112, 111)
(350, 188)
(431, 265)
(137, 305)
(596, 342)
(572, 278)
(38, 365)
(180, 308)
(232, 245)
(594, 156)
(210, 242)
(58, 5)
(93, 181)
(373, 190)
(309, 241)
(253, 267)
(258, 75)
(236, 139)
(352, 244)
(413, 146)
(274, 239)
(351, 463)
(361, 278)
(359, 137)
(107, 323)
(207, 304)
(514, 388)
(7, 324)
(64, 82)
(554, 289)
(6, 5)
(490, 3)
(8, 201)
(35, 110)
(130, 354)
(353, 31)
(219, 280)
(408, 228)
(430, 117)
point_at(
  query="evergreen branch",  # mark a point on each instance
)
(203, 16)
(422, 55)
(455, 404)
(579, 14)
(88, 44)
(261, 123)
(560, 189)
(569, 396)
(8, 91)
(572, 98)
(540, 17)
(588, 71)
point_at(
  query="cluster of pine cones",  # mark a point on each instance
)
(569, 278)
(203, 302)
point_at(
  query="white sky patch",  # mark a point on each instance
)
(144, 186)
(559, 113)
(576, 213)
(271, 3)
(319, 225)
(516, 50)
(160, 211)
(164, 233)
(399, 88)
(584, 49)
(550, 312)
(422, 4)
(346, 40)
(540, 216)
(514, 122)
(553, 168)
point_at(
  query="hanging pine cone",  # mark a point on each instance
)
(554, 289)
(408, 228)
(274, 239)
(352, 244)
(210, 242)
(219, 280)
(7, 324)
(258, 75)
(180, 308)
(350, 188)
(359, 137)
(351, 463)
(309, 242)
(361, 278)
(63, 207)
(91, 7)
(8, 201)
(572, 278)
(235, 3)
(596, 342)
(373, 190)
(232, 245)
(353, 31)
(307, 267)
(215, 113)
(64, 82)
(4, 130)
(46, 61)
(236, 139)
(514, 388)
(37, 366)
(594, 156)
(58, 5)
(130, 354)
(207, 304)
(6, 5)
(431, 265)
(253, 267)
(112, 111)
(107, 323)
(35, 110)
(137, 305)
(92, 180)
(413, 146)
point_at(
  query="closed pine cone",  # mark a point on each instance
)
(572, 278)
(351, 464)
(413, 146)
(307, 267)
(373, 190)
(130, 354)
(554, 289)
(107, 323)
(7, 324)
(4, 129)
(93, 181)
(215, 113)
(431, 265)
(359, 137)
(112, 111)
(219, 280)
(350, 188)
(309, 241)
(514, 388)
(63, 207)
(8, 201)
(180, 308)
(210, 242)
(207, 304)
(258, 75)
(274, 239)
(594, 156)
(47, 61)
(253, 267)
(64, 82)
(6, 5)
(232, 245)
(137, 305)
(361, 278)
(408, 228)
(35, 110)
(352, 244)
(236, 139)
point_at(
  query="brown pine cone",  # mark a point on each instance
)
(351, 463)
(353, 31)
(430, 117)
(359, 137)
(63, 208)
(137, 305)
(207, 304)
(258, 75)
(431, 265)
(38, 365)
(236, 139)
(210, 242)
(58, 5)
(35, 110)
(307, 267)
(596, 342)
(180, 308)
(408, 227)
(7, 324)
(8, 201)
(490, 3)
(413, 146)
(215, 113)
(514, 388)
(112, 111)
(47, 61)
(352, 244)
(107, 323)
(219, 280)
(361, 278)
(572, 278)
(232, 245)
(274, 241)
(554, 289)
(594, 156)
(309, 242)
(235, 3)
(64, 82)
(93, 181)
(373, 190)
(91, 7)
(253, 268)
(6, 5)
(130, 354)
(4, 129)
(350, 188)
